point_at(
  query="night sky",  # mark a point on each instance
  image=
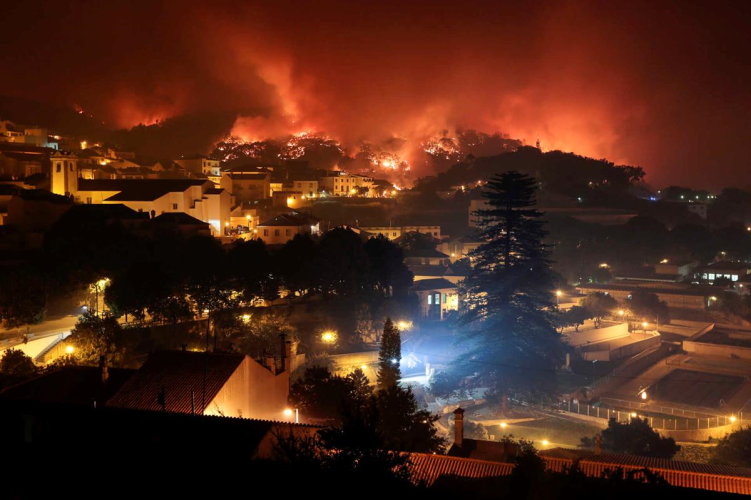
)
(662, 85)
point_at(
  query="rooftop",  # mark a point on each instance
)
(293, 219)
(75, 385)
(184, 376)
(138, 189)
(433, 284)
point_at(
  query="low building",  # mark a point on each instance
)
(724, 269)
(197, 198)
(247, 187)
(285, 227)
(436, 298)
(199, 383)
(181, 223)
(396, 232)
(425, 257)
(200, 164)
(339, 183)
(675, 295)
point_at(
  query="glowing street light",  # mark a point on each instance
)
(328, 337)
(633, 414)
(644, 395)
(504, 425)
(545, 442)
(404, 325)
(621, 312)
(288, 412)
(558, 294)
(69, 349)
(733, 419)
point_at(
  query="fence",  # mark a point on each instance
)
(633, 366)
(660, 422)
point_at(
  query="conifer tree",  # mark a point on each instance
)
(507, 339)
(389, 356)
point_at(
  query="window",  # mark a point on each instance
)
(88, 200)
(265, 232)
(445, 297)
(174, 206)
(437, 298)
(71, 166)
(276, 232)
(59, 166)
(430, 299)
(393, 234)
(288, 232)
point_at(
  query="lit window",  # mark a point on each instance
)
(445, 297)
(437, 298)
(430, 299)
(59, 166)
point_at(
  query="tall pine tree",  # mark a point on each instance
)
(508, 342)
(389, 356)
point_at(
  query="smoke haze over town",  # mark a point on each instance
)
(648, 86)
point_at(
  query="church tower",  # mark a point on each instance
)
(64, 175)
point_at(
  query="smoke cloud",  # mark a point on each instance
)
(654, 84)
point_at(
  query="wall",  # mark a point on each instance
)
(597, 335)
(252, 392)
(723, 351)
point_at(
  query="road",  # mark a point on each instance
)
(11, 338)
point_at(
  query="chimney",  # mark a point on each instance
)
(598, 444)
(458, 427)
(271, 364)
(288, 356)
(104, 368)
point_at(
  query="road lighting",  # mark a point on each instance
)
(288, 413)
(503, 425)
(69, 349)
(328, 337)
(558, 294)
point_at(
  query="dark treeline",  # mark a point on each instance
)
(581, 248)
(168, 278)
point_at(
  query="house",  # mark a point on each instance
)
(724, 269)
(248, 186)
(182, 223)
(200, 164)
(396, 232)
(197, 198)
(198, 383)
(338, 183)
(285, 227)
(436, 298)
(425, 257)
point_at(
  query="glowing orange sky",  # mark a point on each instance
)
(660, 86)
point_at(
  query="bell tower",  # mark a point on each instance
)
(64, 174)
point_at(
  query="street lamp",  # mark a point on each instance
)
(558, 294)
(69, 349)
(288, 413)
(328, 337)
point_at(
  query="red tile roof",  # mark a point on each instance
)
(428, 468)
(178, 373)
